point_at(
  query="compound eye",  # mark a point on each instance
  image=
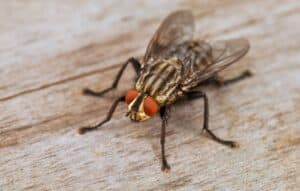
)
(150, 106)
(130, 96)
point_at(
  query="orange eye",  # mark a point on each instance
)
(130, 96)
(150, 106)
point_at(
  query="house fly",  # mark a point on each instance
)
(172, 68)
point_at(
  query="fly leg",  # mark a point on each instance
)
(219, 81)
(199, 94)
(83, 130)
(136, 65)
(164, 114)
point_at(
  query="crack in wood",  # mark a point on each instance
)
(59, 82)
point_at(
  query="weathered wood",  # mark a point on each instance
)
(51, 50)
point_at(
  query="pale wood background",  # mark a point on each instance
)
(50, 50)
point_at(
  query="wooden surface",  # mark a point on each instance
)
(51, 50)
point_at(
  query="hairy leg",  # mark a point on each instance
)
(219, 81)
(164, 114)
(136, 64)
(83, 130)
(199, 94)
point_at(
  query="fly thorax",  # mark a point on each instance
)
(161, 79)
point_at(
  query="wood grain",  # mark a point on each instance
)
(51, 50)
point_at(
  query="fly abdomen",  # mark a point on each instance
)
(160, 79)
(196, 56)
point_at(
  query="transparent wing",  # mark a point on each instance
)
(177, 28)
(224, 53)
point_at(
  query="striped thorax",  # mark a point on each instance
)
(160, 80)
